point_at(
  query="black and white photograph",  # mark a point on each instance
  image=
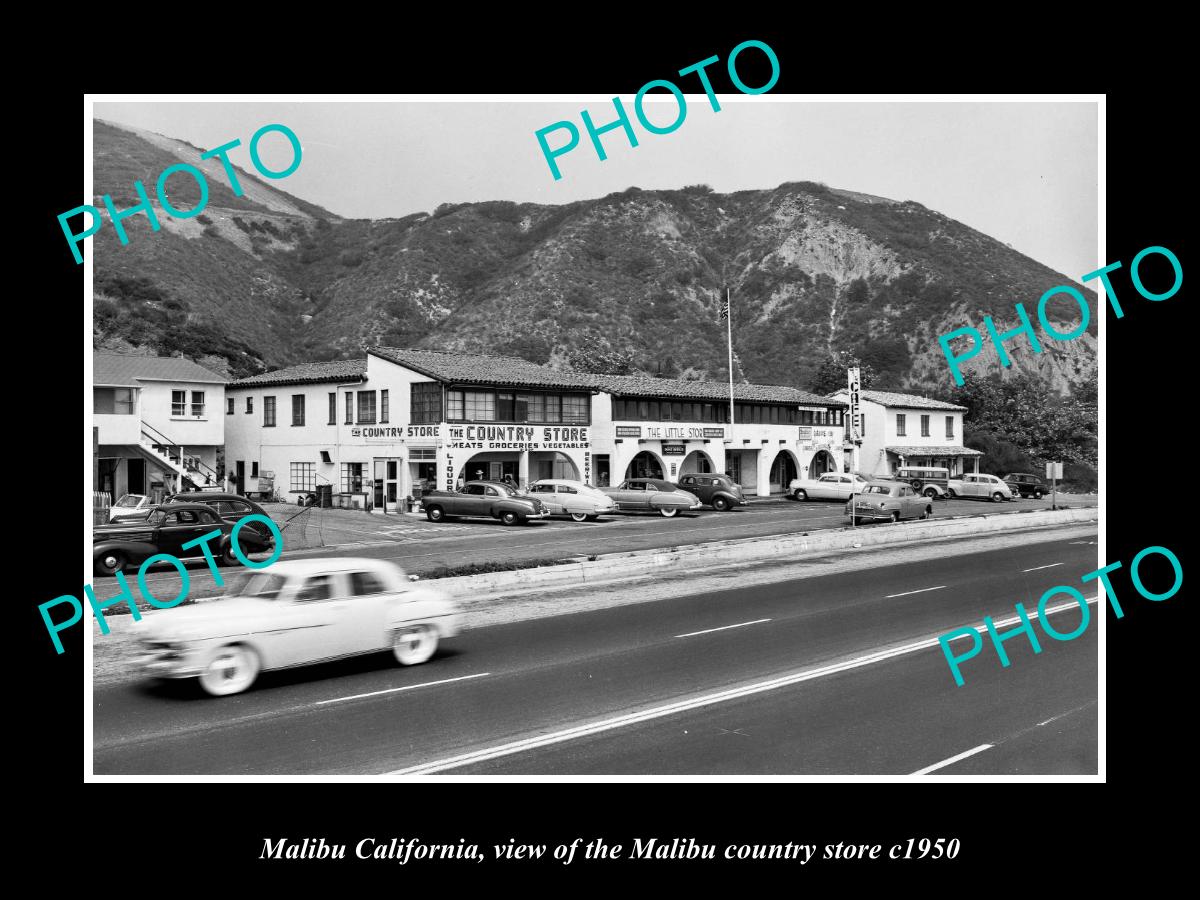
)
(697, 434)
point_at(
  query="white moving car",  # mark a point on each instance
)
(830, 486)
(295, 613)
(980, 487)
(572, 498)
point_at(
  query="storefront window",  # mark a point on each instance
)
(352, 478)
(304, 476)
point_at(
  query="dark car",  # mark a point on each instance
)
(165, 530)
(254, 536)
(719, 491)
(484, 500)
(1026, 485)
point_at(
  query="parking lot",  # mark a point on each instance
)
(425, 548)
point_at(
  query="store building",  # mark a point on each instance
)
(385, 428)
(157, 424)
(908, 430)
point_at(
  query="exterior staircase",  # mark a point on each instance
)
(193, 474)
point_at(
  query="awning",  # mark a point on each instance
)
(935, 450)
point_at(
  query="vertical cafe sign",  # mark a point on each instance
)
(855, 432)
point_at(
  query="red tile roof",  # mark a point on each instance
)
(473, 368)
(718, 391)
(910, 401)
(125, 369)
(935, 450)
(308, 373)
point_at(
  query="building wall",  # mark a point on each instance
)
(154, 408)
(881, 433)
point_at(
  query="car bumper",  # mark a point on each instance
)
(537, 515)
(870, 512)
(157, 662)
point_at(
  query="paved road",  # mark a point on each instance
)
(422, 547)
(510, 683)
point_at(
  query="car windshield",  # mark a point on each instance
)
(877, 489)
(156, 517)
(263, 586)
(130, 500)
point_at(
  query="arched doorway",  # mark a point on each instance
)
(552, 464)
(696, 461)
(644, 465)
(783, 469)
(822, 462)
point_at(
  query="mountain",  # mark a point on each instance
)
(811, 270)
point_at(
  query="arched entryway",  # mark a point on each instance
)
(696, 461)
(644, 465)
(784, 468)
(822, 462)
(552, 464)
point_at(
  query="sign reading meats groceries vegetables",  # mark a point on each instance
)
(517, 437)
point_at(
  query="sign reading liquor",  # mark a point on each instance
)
(517, 437)
(398, 433)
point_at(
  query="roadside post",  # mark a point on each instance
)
(1054, 472)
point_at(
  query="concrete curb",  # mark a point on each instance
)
(613, 566)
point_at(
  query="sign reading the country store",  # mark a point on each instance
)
(517, 437)
(396, 432)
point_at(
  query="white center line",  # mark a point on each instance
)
(670, 709)
(918, 591)
(722, 628)
(953, 759)
(407, 687)
(1036, 568)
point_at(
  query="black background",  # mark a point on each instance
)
(1007, 830)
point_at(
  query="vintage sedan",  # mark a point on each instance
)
(651, 495)
(254, 536)
(130, 506)
(980, 487)
(296, 613)
(719, 491)
(166, 530)
(830, 486)
(580, 501)
(484, 500)
(890, 501)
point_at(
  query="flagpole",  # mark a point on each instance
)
(729, 336)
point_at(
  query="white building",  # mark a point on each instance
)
(379, 430)
(158, 424)
(907, 430)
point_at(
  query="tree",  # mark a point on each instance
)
(830, 375)
(599, 361)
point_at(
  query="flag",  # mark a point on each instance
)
(725, 308)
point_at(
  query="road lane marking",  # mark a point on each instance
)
(407, 687)
(722, 628)
(918, 591)
(1039, 568)
(669, 709)
(953, 759)
(1012, 620)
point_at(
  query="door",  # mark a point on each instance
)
(377, 492)
(825, 488)
(136, 473)
(305, 629)
(548, 496)
(240, 487)
(391, 484)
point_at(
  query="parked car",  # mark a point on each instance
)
(1026, 485)
(580, 501)
(130, 506)
(830, 486)
(254, 536)
(296, 613)
(928, 480)
(719, 491)
(165, 530)
(484, 500)
(890, 500)
(980, 487)
(651, 495)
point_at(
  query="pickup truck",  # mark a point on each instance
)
(483, 500)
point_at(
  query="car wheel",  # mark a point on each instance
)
(950, 493)
(435, 514)
(230, 670)
(227, 555)
(800, 495)
(669, 511)
(109, 563)
(509, 518)
(580, 517)
(997, 497)
(1037, 495)
(720, 504)
(931, 492)
(414, 644)
(895, 515)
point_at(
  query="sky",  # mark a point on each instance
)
(1025, 173)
